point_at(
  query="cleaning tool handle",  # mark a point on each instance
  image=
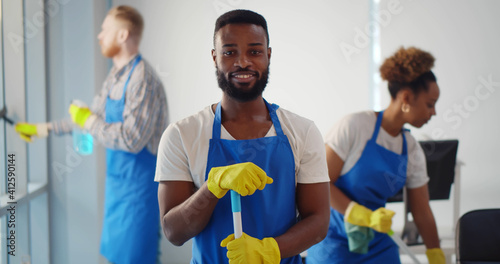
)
(236, 208)
(402, 245)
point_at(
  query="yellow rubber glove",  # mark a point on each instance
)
(435, 256)
(79, 115)
(247, 249)
(243, 178)
(27, 131)
(380, 219)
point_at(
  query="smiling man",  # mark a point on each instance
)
(273, 158)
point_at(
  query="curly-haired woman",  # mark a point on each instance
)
(370, 158)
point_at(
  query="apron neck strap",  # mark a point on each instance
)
(405, 151)
(377, 126)
(274, 117)
(136, 61)
(377, 129)
(216, 128)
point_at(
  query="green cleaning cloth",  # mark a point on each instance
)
(358, 237)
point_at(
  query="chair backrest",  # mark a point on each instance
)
(477, 237)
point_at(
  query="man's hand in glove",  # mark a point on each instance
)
(79, 115)
(243, 178)
(247, 249)
(27, 131)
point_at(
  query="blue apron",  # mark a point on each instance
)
(377, 175)
(267, 213)
(131, 216)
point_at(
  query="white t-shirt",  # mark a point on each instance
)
(183, 149)
(349, 136)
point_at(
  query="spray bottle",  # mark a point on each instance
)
(83, 143)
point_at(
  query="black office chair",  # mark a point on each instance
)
(477, 239)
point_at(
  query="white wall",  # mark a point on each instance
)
(307, 67)
(75, 70)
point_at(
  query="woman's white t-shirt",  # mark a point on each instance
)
(183, 149)
(349, 136)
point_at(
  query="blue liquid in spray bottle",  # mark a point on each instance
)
(83, 143)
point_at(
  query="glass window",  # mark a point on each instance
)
(23, 186)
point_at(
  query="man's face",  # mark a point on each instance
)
(242, 58)
(108, 37)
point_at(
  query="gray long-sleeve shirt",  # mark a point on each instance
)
(145, 114)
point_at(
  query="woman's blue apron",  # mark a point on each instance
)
(377, 175)
(267, 213)
(131, 216)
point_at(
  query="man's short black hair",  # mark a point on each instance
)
(240, 16)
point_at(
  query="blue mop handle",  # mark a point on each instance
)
(236, 208)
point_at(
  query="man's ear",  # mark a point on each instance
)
(269, 53)
(123, 35)
(214, 57)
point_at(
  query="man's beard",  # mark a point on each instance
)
(110, 51)
(238, 94)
